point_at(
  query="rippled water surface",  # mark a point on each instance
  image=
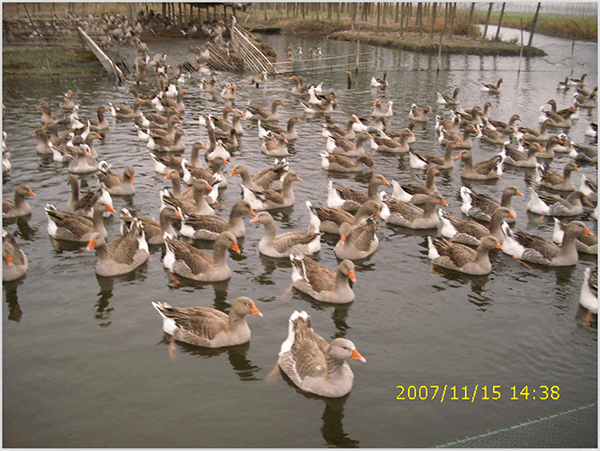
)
(85, 361)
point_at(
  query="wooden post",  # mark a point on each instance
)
(572, 56)
(453, 15)
(521, 51)
(433, 19)
(487, 21)
(420, 17)
(533, 28)
(446, 18)
(471, 19)
(337, 11)
(329, 11)
(378, 15)
(402, 20)
(357, 47)
(500, 22)
(397, 8)
(439, 60)
(318, 6)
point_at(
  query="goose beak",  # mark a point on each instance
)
(254, 219)
(352, 276)
(385, 182)
(30, 193)
(168, 175)
(498, 245)
(236, 248)
(519, 193)
(207, 186)
(343, 238)
(9, 260)
(510, 215)
(587, 231)
(255, 311)
(133, 177)
(444, 203)
(356, 356)
(234, 172)
(111, 209)
(177, 214)
(91, 245)
(576, 169)
(251, 211)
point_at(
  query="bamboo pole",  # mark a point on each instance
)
(433, 19)
(535, 17)
(500, 21)
(487, 21)
(471, 19)
(521, 51)
(439, 60)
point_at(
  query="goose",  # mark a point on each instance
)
(14, 260)
(299, 88)
(342, 163)
(380, 82)
(164, 163)
(60, 117)
(325, 107)
(563, 85)
(166, 130)
(322, 283)
(495, 136)
(270, 199)
(589, 188)
(579, 82)
(115, 184)
(581, 101)
(563, 118)
(154, 231)
(483, 170)
(449, 126)
(6, 164)
(184, 260)
(264, 179)
(258, 79)
(279, 246)
(411, 216)
(542, 251)
(124, 112)
(69, 102)
(418, 161)
(208, 327)
(219, 150)
(342, 146)
(551, 205)
(556, 181)
(196, 205)
(542, 135)
(207, 86)
(514, 157)
(209, 227)
(18, 206)
(473, 116)
(469, 232)
(177, 103)
(592, 130)
(263, 114)
(332, 218)
(85, 205)
(448, 100)
(383, 109)
(587, 93)
(348, 133)
(274, 145)
(588, 298)
(43, 146)
(82, 162)
(158, 119)
(414, 193)
(492, 89)
(167, 144)
(192, 173)
(458, 257)
(350, 199)
(553, 143)
(229, 91)
(463, 140)
(289, 132)
(101, 124)
(499, 125)
(398, 146)
(357, 242)
(123, 255)
(419, 114)
(586, 244)
(481, 206)
(312, 364)
(583, 154)
(71, 227)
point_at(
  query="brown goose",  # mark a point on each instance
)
(482, 206)
(313, 365)
(393, 145)
(530, 134)
(14, 260)
(499, 125)
(461, 258)
(514, 157)
(542, 251)
(43, 147)
(60, 117)
(278, 246)
(69, 102)
(342, 163)
(556, 181)
(184, 260)
(336, 130)
(167, 144)
(357, 242)
(412, 216)
(263, 114)
(154, 231)
(18, 207)
(350, 199)
(85, 205)
(195, 205)
(463, 140)
(117, 185)
(124, 112)
(209, 227)
(492, 89)
(382, 109)
(207, 86)
(450, 126)
(101, 124)
(274, 145)
(325, 107)
(270, 199)
(414, 193)
(497, 136)
(483, 170)
(380, 82)
(123, 255)
(167, 131)
(322, 283)
(419, 114)
(289, 132)
(551, 205)
(343, 146)
(264, 179)
(448, 100)
(208, 327)
(332, 218)
(75, 228)
(258, 79)
(586, 244)
(164, 163)
(192, 173)
(471, 232)
(424, 162)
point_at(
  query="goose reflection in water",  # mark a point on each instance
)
(10, 296)
(241, 365)
(103, 310)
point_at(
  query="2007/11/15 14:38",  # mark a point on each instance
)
(482, 393)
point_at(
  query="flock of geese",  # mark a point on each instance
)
(463, 244)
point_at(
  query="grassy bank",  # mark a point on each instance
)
(24, 60)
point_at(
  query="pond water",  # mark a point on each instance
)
(85, 361)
